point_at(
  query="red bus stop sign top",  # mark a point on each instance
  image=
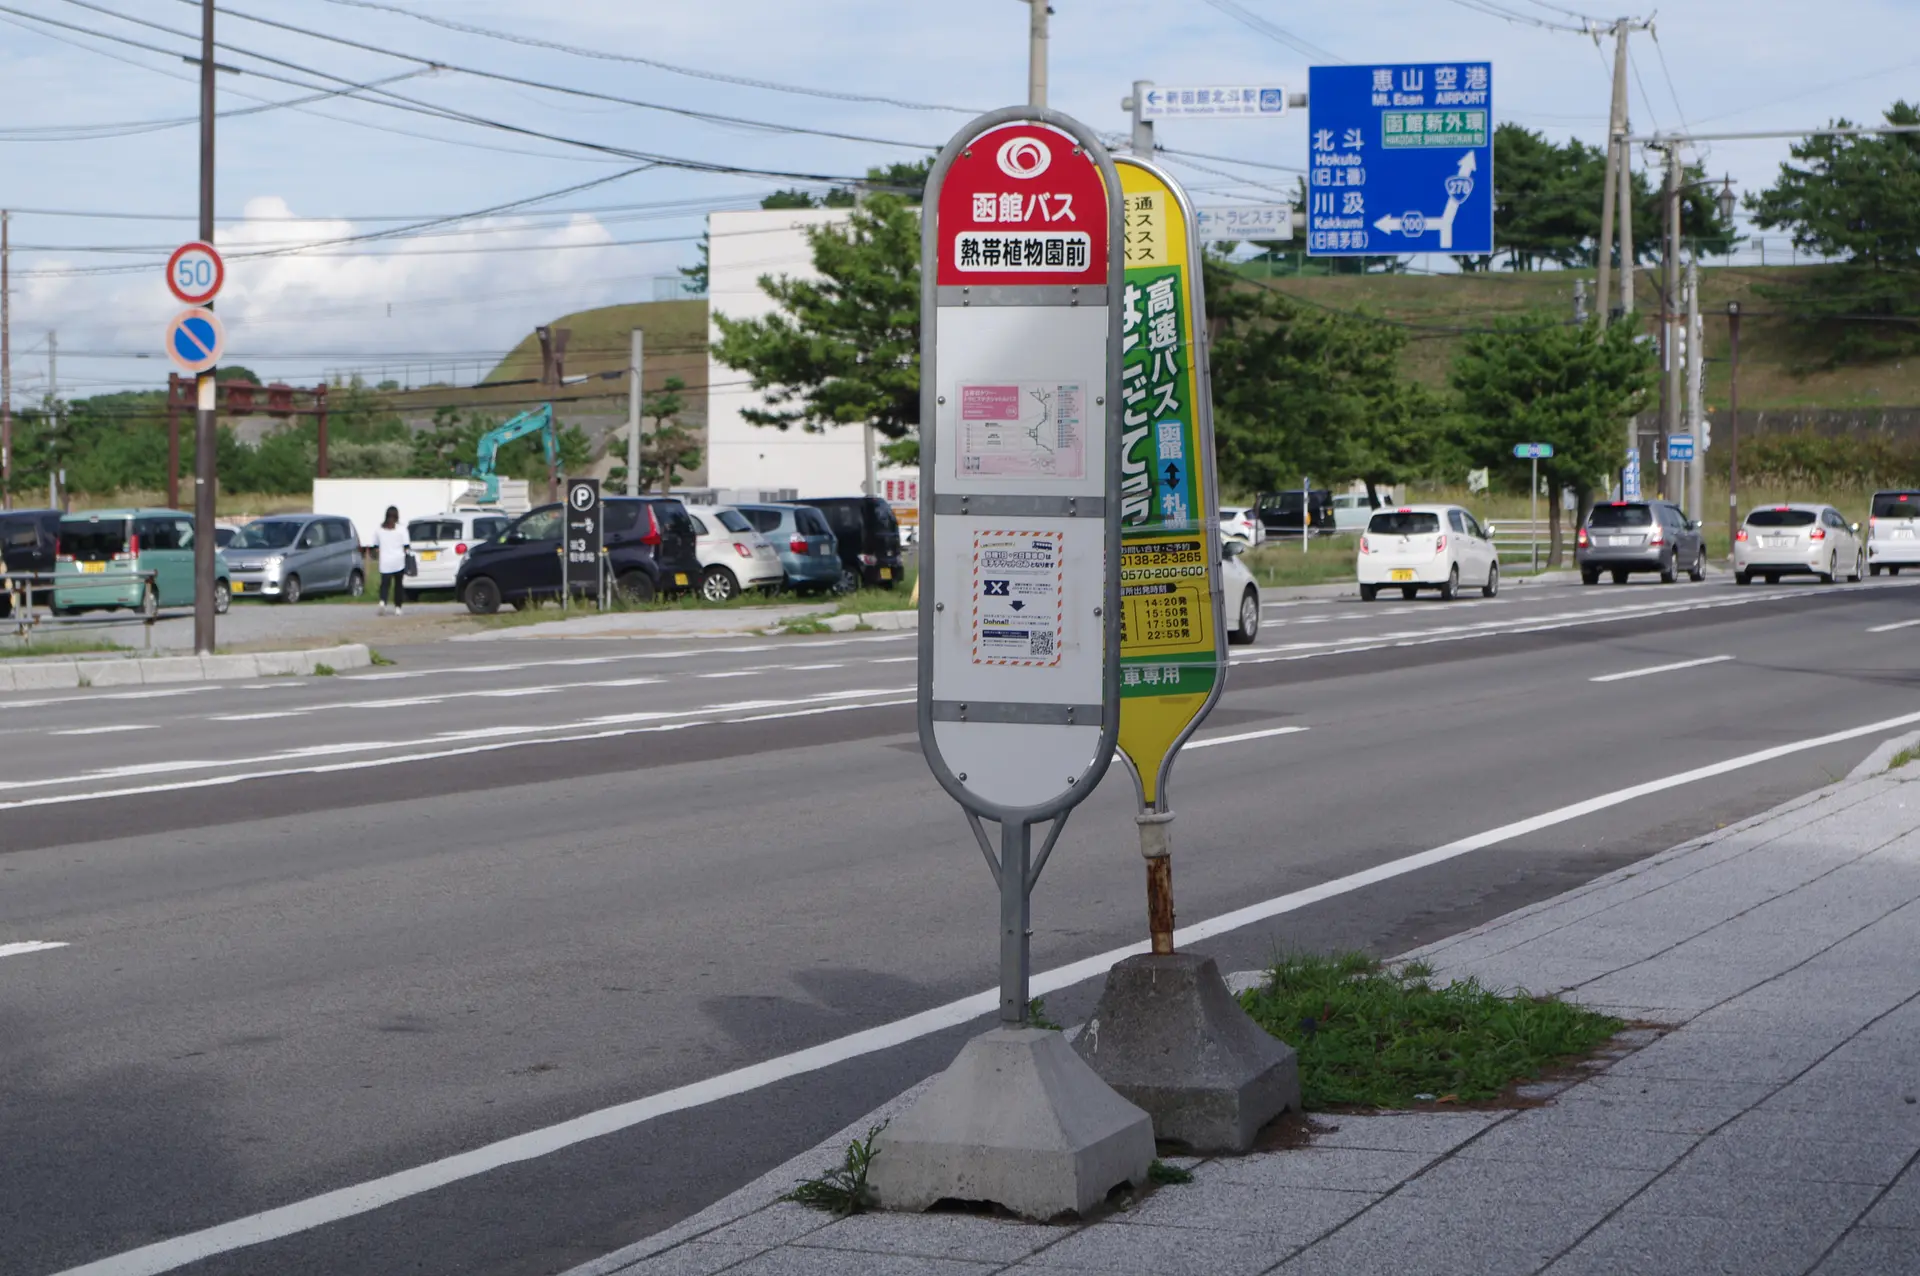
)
(1023, 204)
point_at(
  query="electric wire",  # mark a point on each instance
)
(1279, 35)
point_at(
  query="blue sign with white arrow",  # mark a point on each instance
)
(1400, 159)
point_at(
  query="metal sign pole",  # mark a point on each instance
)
(1016, 917)
(1533, 512)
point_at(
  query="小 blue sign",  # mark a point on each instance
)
(1400, 159)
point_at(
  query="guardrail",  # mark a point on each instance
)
(1517, 538)
(20, 587)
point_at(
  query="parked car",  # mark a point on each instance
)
(1238, 523)
(1624, 537)
(1803, 540)
(27, 543)
(733, 556)
(1426, 547)
(650, 553)
(1279, 512)
(1893, 535)
(142, 559)
(289, 556)
(223, 534)
(440, 544)
(1352, 512)
(804, 542)
(867, 537)
(1239, 595)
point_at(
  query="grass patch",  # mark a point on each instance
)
(323, 670)
(1163, 1174)
(56, 647)
(376, 659)
(1903, 757)
(1327, 560)
(1037, 1015)
(1369, 1035)
(804, 626)
(842, 1190)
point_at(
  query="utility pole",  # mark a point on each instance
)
(52, 427)
(872, 484)
(1580, 301)
(1671, 396)
(1037, 53)
(1696, 397)
(205, 388)
(1733, 422)
(6, 369)
(1616, 167)
(634, 393)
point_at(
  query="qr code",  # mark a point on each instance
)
(1041, 643)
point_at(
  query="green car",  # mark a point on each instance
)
(138, 558)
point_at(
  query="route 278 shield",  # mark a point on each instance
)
(1173, 654)
(1019, 479)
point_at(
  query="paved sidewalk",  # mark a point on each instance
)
(1774, 1129)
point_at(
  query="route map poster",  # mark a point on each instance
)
(1400, 159)
(1169, 615)
(1022, 429)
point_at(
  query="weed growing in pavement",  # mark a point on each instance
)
(55, 647)
(804, 625)
(1903, 757)
(1037, 1015)
(374, 656)
(323, 671)
(843, 1189)
(1163, 1174)
(1378, 1036)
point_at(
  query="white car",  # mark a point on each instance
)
(440, 543)
(1419, 547)
(1893, 531)
(1239, 595)
(1351, 513)
(1237, 523)
(733, 556)
(1789, 540)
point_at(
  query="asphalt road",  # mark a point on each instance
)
(322, 931)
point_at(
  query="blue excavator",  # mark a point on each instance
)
(534, 421)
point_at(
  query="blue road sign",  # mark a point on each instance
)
(1533, 451)
(1679, 447)
(1630, 477)
(1400, 159)
(195, 339)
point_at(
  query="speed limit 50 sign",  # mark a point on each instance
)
(195, 273)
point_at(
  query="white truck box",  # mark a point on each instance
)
(365, 501)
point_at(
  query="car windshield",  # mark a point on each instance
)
(1896, 504)
(266, 534)
(1404, 523)
(1781, 518)
(1620, 516)
(433, 529)
(732, 521)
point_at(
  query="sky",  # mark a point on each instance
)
(91, 124)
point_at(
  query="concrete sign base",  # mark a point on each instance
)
(1168, 1036)
(1018, 1120)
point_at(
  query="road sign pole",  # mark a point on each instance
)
(1533, 512)
(1016, 915)
(1141, 137)
(206, 390)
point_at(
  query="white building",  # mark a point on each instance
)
(741, 456)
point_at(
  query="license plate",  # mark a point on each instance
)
(427, 556)
(679, 578)
(93, 568)
(1903, 533)
(886, 573)
(1403, 573)
(238, 586)
(1777, 542)
(1619, 540)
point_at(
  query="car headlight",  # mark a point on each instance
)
(272, 562)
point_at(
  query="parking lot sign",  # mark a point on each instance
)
(585, 536)
(1400, 159)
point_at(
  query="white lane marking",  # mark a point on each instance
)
(270, 686)
(125, 726)
(731, 673)
(893, 660)
(810, 668)
(1236, 739)
(677, 653)
(258, 717)
(1652, 669)
(715, 715)
(1898, 624)
(106, 695)
(361, 1198)
(26, 946)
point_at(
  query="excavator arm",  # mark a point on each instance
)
(534, 421)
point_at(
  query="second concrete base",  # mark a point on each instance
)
(1018, 1120)
(1168, 1036)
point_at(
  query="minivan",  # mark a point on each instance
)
(136, 558)
(289, 556)
(27, 540)
(649, 542)
(867, 537)
(1279, 512)
(1893, 534)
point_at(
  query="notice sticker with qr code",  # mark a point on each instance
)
(1018, 597)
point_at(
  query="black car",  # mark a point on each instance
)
(1279, 512)
(868, 537)
(650, 552)
(28, 542)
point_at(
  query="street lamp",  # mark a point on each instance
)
(1726, 199)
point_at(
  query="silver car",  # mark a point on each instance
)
(289, 556)
(1803, 540)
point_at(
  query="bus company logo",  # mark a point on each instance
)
(1024, 157)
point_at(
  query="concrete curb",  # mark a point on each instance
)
(1882, 758)
(62, 673)
(893, 620)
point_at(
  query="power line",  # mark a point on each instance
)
(1277, 34)
(132, 128)
(1672, 90)
(604, 55)
(1493, 10)
(1229, 159)
(1645, 98)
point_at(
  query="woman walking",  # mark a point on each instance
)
(391, 542)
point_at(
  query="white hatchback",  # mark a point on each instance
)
(733, 556)
(440, 543)
(1419, 547)
(1893, 531)
(1239, 523)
